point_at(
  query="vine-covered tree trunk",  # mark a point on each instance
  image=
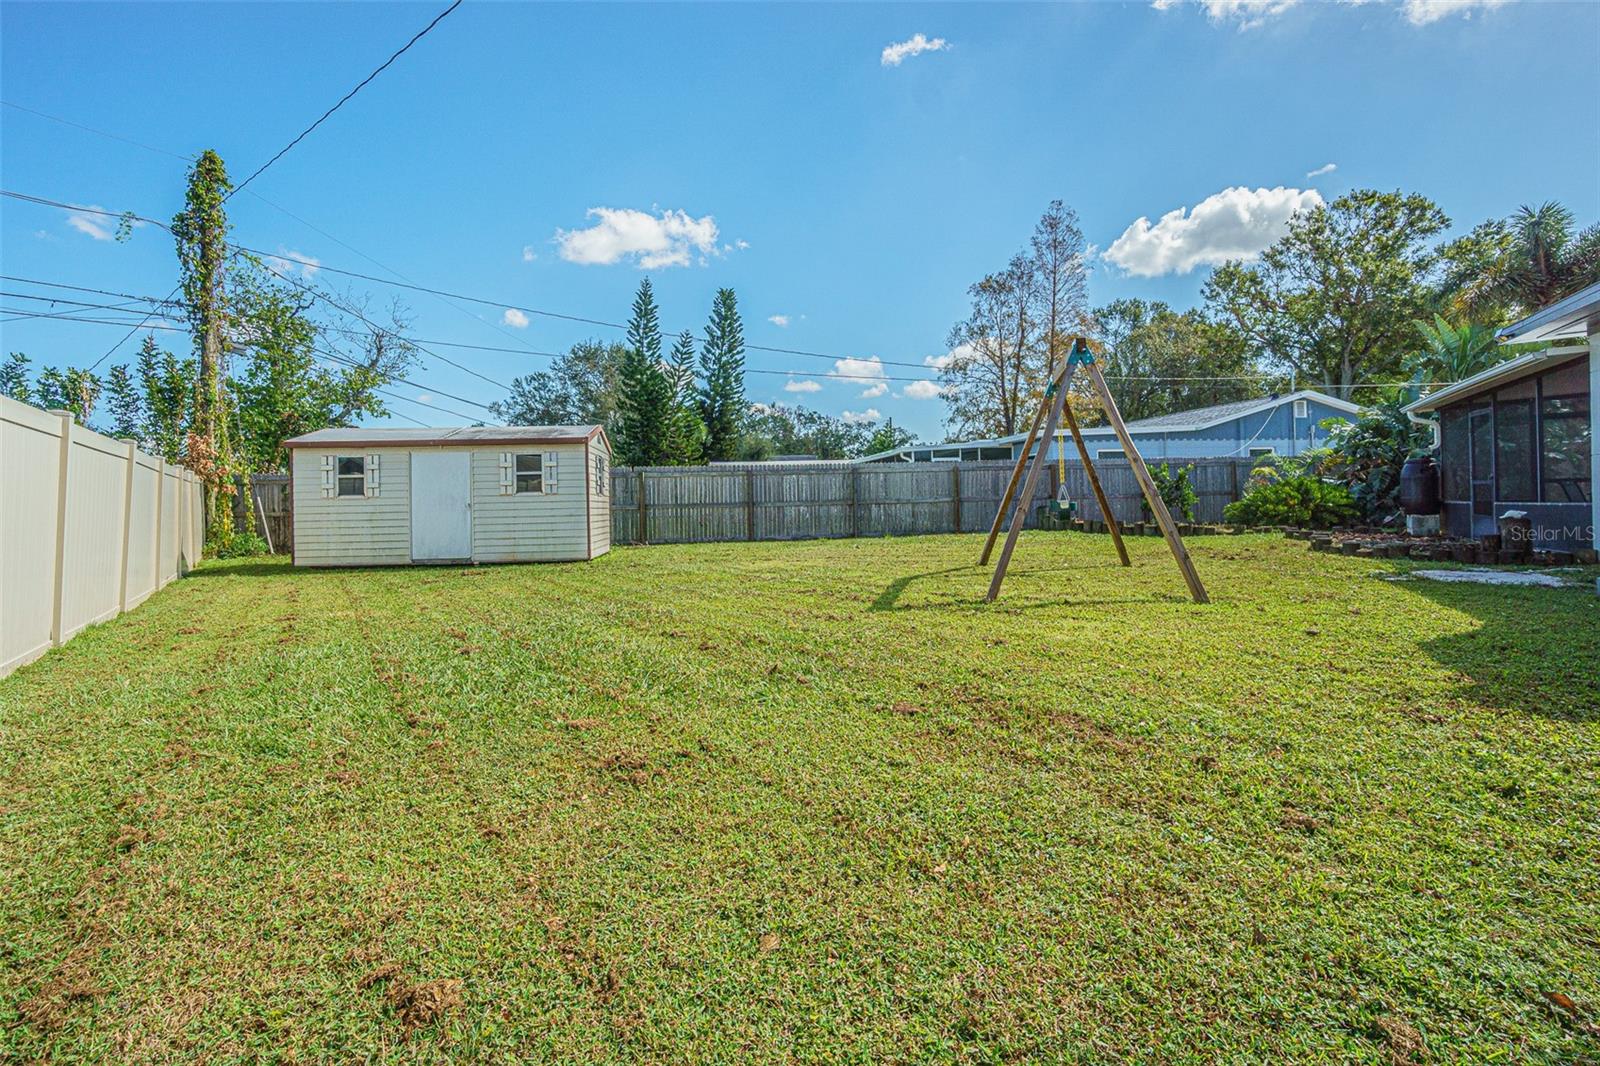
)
(201, 234)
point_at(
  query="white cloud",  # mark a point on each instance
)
(802, 386)
(651, 241)
(528, 254)
(100, 227)
(921, 390)
(868, 371)
(1248, 14)
(425, 397)
(1422, 12)
(781, 321)
(955, 355)
(514, 318)
(741, 244)
(898, 53)
(1236, 223)
(861, 418)
(288, 263)
(1326, 168)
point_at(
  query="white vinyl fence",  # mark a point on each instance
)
(89, 527)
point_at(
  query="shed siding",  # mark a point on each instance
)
(531, 527)
(352, 530)
(599, 505)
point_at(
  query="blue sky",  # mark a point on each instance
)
(852, 196)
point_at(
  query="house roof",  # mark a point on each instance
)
(1178, 422)
(1501, 374)
(1572, 317)
(434, 437)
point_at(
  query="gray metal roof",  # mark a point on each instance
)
(443, 436)
(1571, 317)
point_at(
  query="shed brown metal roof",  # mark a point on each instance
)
(457, 436)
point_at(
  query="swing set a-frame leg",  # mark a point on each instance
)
(1094, 483)
(1011, 486)
(1057, 402)
(1152, 495)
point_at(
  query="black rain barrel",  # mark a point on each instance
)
(1419, 486)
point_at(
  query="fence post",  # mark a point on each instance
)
(639, 537)
(127, 528)
(749, 504)
(155, 546)
(855, 501)
(955, 494)
(61, 526)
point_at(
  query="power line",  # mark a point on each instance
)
(345, 98)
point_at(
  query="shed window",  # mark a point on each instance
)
(529, 472)
(1110, 453)
(1258, 453)
(1301, 409)
(600, 478)
(352, 475)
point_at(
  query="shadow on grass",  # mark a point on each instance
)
(1534, 651)
(889, 598)
(230, 568)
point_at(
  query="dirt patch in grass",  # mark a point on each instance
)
(424, 1003)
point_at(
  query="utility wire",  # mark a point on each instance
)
(345, 98)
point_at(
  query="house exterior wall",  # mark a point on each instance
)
(1562, 526)
(376, 530)
(1277, 429)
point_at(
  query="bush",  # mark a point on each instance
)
(1175, 491)
(1295, 501)
(239, 546)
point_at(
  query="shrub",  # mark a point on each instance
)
(238, 545)
(1295, 501)
(1176, 491)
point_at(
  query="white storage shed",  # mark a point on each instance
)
(484, 494)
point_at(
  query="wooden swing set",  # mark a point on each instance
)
(1050, 413)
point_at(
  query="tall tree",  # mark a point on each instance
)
(14, 378)
(1061, 288)
(1334, 298)
(778, 430)
(281, 391)
(72, 389)
(686, 434)
(887, 437)
(995, 371)
(167, 383)
(124, 404)
(201, 231)
(580, 388)
(722, 403)
(644, 406)
(1158, 361)
(1514, 266)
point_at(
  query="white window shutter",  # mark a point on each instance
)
(508, 484)
(372, 475)
(327, 477)
(549, 472)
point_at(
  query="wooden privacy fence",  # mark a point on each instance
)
(801, 501)
(265, 507)
(89, 527)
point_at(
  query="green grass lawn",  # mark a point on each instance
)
(812, 801)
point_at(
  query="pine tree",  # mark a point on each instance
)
(14, 378)
(722, 403)
(686, 433)
(124, 404)
(167, 383)
(645, 404)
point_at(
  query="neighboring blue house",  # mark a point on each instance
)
(1275, 425)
